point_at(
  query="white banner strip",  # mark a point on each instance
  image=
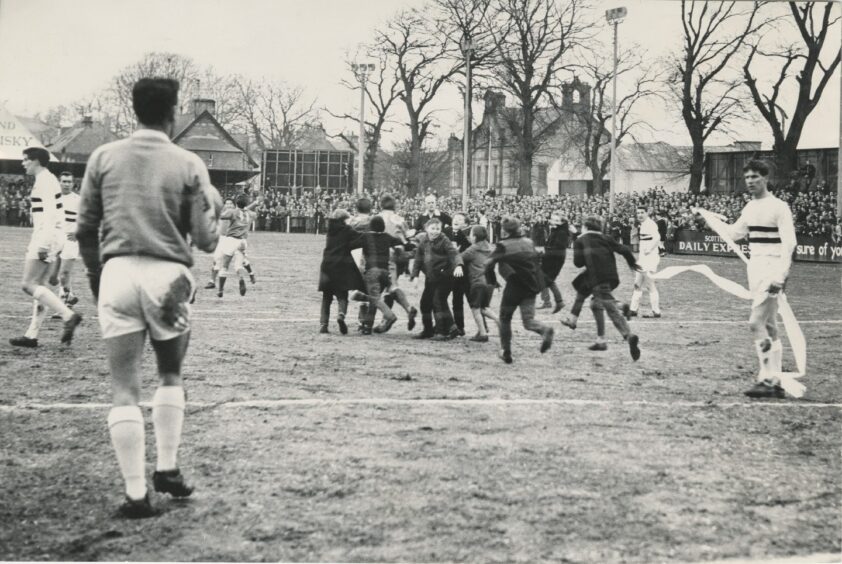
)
(793, 329)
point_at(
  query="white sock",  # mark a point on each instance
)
(655, 299)
(635, 299)
(776, 356)
(125, 423)
(168, 418)
(763, 359)
(48, 299)
(39, 313)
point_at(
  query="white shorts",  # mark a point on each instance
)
(144, 293)
(217, 255)
(762, 271)
(70, 250)
(649, 263)
(52, 250)
(230, 245)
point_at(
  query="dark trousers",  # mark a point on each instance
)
(327, 299)
(515, 296)
(434, 306)
(459, 292)
(576, 309)
(603, 302)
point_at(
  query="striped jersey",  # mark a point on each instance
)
(71, 211)
(768, 226)
(46, 202)
(650, 242)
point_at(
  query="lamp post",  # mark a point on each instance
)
(614, 17)
(467, 48)
(361, 71)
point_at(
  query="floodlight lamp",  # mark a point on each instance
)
(615, 15)
(466, 44)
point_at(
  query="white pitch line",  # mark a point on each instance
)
(487, 402)
(661, 321)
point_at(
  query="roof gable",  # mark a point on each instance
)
(222, 142)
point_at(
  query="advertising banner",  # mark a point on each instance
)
(811, 249)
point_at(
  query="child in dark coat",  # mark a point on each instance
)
(377, 247)
(339, 273)
(595, 251)
(441, 263)
(518, 264)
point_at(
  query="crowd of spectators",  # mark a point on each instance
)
(14, 200)
(814, 211)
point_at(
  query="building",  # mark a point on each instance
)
(227, 158)
(556, 165)
(76, 143)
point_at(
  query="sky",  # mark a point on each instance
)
(55, 51)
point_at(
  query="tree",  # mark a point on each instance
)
(382, 90)
(468, 20)
(814, 70)
(118, 99)
(537, 36)
(275, 114)
(423, 64)
(703, 83)
(591, 132)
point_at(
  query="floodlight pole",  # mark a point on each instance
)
(467, 47)
(361, 70)
(614, 16)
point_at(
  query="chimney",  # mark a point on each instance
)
(202, 104)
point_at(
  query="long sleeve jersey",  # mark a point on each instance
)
(151, 197)
(767, 223)
(71, 211)
(47, 209)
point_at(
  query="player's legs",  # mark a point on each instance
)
(637, 293)
(441, 309)
(65, 278)
(427, 310)
(55, 269)
(654, 296)
(35, 273)
(508, 305)
(125, 420)
(762, 317)
(324, 315)
(575, 311)
(168, 409)
(342, 301)
(458, 299)
(527, 314)
(225, 262)
(776, 350)
(479, 322)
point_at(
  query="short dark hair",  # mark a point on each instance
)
(758, 166)
(593, 222)
(479, 232)
(510, 225)
(363, 205)
(242, 201)
(66, 173)
(432, 221)
(39, 154)
(377, 224)
(387, 202)
(154, 100)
